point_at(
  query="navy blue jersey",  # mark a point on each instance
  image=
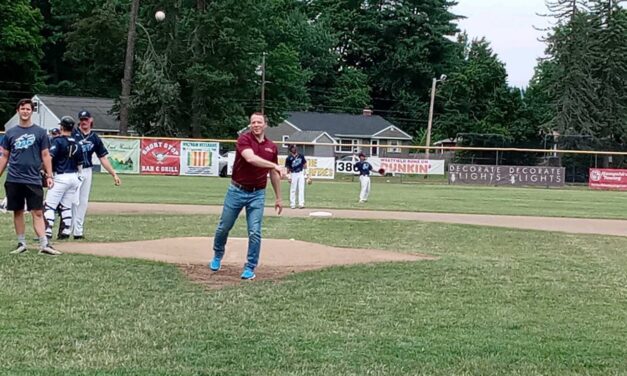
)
(66, 156)
(90, 144)
(295, 163)
(24, 146)
(363, 168)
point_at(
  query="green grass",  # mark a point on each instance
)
(497, 302)
(569, 202)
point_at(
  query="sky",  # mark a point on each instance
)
(509, 26)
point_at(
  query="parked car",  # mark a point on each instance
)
(223, 163)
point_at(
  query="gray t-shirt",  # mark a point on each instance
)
(24, 145)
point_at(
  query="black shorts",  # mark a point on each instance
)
(20, 193)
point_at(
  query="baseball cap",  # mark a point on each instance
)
(55, 131)
(84, 115)
(361, 155)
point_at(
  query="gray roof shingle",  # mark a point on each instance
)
(338, 124)
(305, 136)
(98, 108)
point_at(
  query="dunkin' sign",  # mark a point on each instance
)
(606, 178)
(160, 157)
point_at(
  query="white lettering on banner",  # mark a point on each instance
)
(506, 175)
(161, 145)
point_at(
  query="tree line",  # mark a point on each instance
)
(197, 72)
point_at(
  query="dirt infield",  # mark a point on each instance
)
(569, 225)
(278, 257)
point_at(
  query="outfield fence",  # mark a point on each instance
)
(405, 163)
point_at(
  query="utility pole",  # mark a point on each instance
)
(430, 123)
(263, 83)
(128, 68)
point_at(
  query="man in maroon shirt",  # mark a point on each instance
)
(255, 156)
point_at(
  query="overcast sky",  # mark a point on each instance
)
(509, 26)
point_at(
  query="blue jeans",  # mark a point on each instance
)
(234, 201)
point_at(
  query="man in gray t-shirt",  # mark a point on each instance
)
(25, 149)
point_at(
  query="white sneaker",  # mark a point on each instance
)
(21, 248)
(3, 206)
(49, 251)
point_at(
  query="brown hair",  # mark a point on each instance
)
(265, 118)
(23, 102)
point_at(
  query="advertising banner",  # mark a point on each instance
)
(608, 179)
(506, 175)
(123, 155)
(160, 157)
(395, 166)
(412, 166)
(317, 167)
(200, 158)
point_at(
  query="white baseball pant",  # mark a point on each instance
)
(364, 181)
(79, 209)
(297, 185)
(64, 192)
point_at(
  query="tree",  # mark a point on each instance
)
(476, 97)
(349, 93)
(400, 46)
(20, 53)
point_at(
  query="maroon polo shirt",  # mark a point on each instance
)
(245, 173)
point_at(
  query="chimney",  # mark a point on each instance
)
(367, 112)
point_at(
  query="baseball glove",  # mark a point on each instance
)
(309, 181)
(381, 171)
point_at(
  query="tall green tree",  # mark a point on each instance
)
(476, 97)
(20, 53)
(611, 70)
(399, 45)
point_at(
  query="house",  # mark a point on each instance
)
(447, 142)
(345, 131)
(50, 109)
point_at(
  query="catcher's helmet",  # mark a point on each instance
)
(67, 122)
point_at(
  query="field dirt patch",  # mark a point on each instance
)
(279, 257)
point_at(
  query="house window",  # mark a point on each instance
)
(346, 146)
(374, 148)
(394, 149)
(284, 139)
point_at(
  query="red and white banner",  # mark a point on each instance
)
(607, 178)
(160, 157)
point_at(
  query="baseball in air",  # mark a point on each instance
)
(160, 15)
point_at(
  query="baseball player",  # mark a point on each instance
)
(296, 166)
(364, 168)
(67, 161)
(90, 143)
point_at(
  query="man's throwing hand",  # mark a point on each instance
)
(281, 170)
(278, 206)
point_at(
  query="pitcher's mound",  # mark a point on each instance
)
(279, 257)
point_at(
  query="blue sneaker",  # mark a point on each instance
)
(248, 274)
(215, 264)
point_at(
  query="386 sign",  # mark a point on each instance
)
(345, 167)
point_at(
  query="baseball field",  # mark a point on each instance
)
(487, 300)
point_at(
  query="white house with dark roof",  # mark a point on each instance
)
(50, 109)
(345, 131)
